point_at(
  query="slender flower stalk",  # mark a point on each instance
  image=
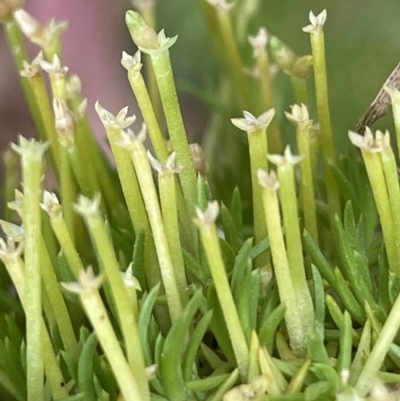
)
(205, 221)
(157, 46)
(166, 185)
(259, 43)
(294, 248)
(134, 143)
(52, 207)
(299, 116)
(234, 64)
(57, 74)
(89, 210)
(392, 183)
(258, 148)
(33, 73)
(32, 153)
(10, 255)
(65, 127)
(133, 65)
(298, 328)
(370, 149)
(315, 29)
(133, 387)
(11, 179)
(20, 54)
(147, 9)
(130, 185)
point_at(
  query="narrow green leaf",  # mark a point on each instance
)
(224, 387)
(195, 267)
(85, 368)
(345, 344)
(319, 301)
(193, 345)
(316, 350)
(236, 212)
(171, 374)
(138, 269)
(231, 235)
(208, 383)
(270, 325)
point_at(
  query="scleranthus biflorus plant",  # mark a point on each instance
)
(132, 280)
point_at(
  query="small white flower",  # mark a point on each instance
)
(108, 119)
(88, 207)
(73, 86)
(64, 122)
(54, 67)
(286, 159)
(251, 123)
(268, 180)
(316, 22)
(366, 141)
(129, 279)
(299, 115)
(51, 205)
(18, 203)
(259, 42)
(87, 281)
(33, 68)
(13, 231)
(30, 147)
(170, 165)
(8, 250)
(129, 138)
(132, 63)
(207, 218)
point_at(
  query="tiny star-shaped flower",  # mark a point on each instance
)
(207, 218)
(286, 159)
(87, 207)
(251, 123)
(316, 22)
(132, 63)
(87, 281)
(222, 6)
(299, 114)
(108, 119)
(54, 67)
(259, 42)
(268, 180)
(129, 138)
(170, 165)
(366, 141)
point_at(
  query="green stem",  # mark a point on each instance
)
(131, 386)
(166, 183)
(148, 112)
(125, 309)
(376, 178)
(307, 180)
(46, 112)
(32, 170)
(321, 91)
(380, 349)
(134, 201)
(165, 81)
(299, 86)
(293, 317)
(258, 148)
(58, 304)
(392, 185)
(145, 178)
(294, 247)
(18, 49)
(235, 65)
(67, 189)
(210, 241)
(267, 101)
